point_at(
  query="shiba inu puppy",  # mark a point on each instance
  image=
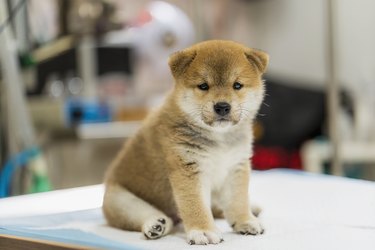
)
(190, 159)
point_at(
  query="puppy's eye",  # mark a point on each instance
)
(203, 86)
(237, 85)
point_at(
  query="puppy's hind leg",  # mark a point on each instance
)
(125, 210)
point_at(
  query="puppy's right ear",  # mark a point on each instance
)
(180, 61)
(258, 58)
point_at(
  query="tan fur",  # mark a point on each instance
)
(184, 161)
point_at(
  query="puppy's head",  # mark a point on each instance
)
(218, 83)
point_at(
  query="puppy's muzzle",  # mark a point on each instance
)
(222, 108)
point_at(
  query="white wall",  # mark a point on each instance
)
(291, 31)
(356, 48)
(294, 34)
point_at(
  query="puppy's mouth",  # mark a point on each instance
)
(221, 119)
(221, 122)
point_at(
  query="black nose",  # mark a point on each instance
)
(222, 108)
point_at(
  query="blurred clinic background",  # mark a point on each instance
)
(77, 78)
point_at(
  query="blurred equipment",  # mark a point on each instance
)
(351, 141)
(21, 142)
(357, 144)
(288, 117)
(124, 71)
(333, 89)
(159, 30)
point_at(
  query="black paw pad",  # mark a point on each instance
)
(161, 220)
(191, 242)
(153, 234)
(247, 233)
(157, 228)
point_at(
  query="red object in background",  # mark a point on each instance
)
(275, 157)
(142, 18)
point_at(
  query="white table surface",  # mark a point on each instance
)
(300, 211)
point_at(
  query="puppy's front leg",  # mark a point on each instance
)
(193, 201)
(236, 202)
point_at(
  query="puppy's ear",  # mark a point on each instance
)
(257, 58)
(180, 61)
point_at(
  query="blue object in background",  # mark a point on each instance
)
(86, 111)
(19, 160)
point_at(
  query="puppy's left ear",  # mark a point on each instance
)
(180, 61)
(257, 58)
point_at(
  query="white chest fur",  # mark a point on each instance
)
(222, 159)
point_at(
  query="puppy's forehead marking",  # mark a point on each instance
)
(222, 61)
(219, 69)
(221, 64)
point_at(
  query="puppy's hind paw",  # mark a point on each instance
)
(157, 227)
(251, 227)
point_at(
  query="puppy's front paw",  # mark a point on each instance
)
(252, 227)
(156, 228)
(200, 237)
